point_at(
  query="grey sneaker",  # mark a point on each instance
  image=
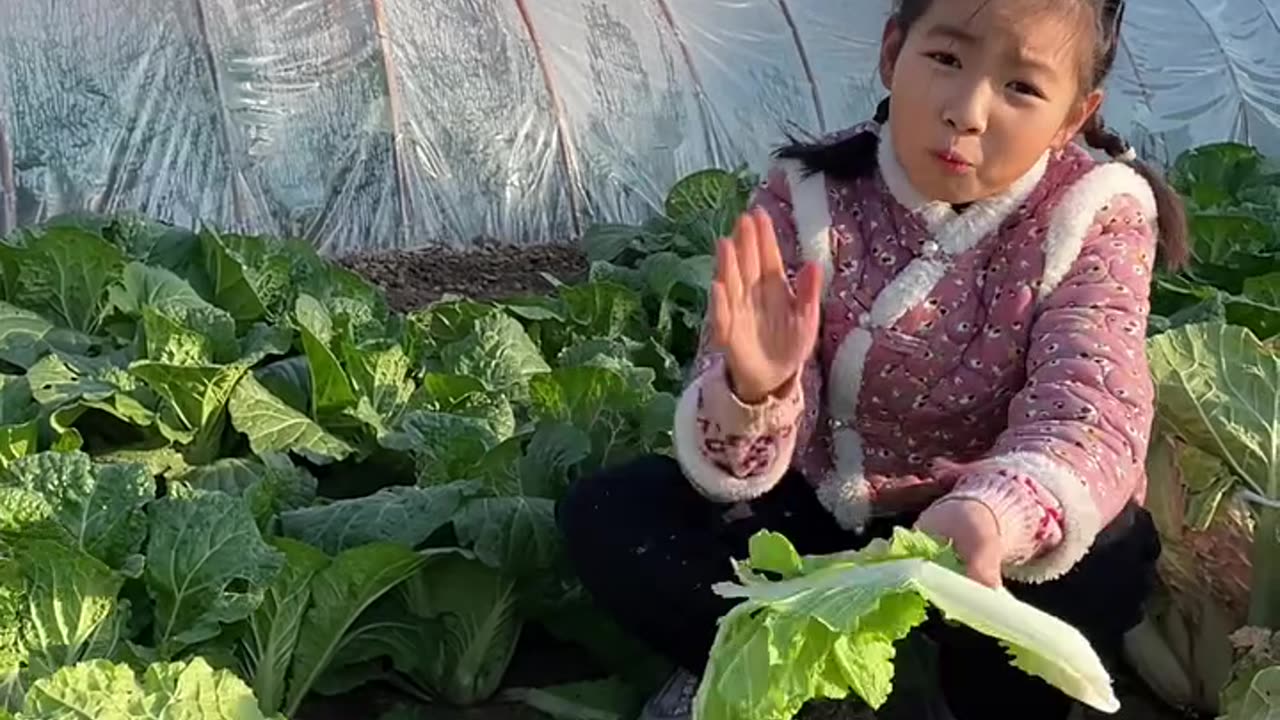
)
(674, 700)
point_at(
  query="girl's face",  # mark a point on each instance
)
(981, 89)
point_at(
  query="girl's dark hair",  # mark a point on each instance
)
(854, 157)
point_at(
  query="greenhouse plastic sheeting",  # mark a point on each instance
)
(378, 124)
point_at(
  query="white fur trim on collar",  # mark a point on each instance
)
(845, 492)
(1079, 208)
(846, 373)
(709, 480)
(1081, 521)
(811, 212)
(956, 232)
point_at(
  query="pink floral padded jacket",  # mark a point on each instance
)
(1006, 340)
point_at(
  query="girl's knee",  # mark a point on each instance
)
(630, 490)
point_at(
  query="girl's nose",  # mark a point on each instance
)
(965, 123)
(966, 115)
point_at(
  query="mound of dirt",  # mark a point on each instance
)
(415, 278)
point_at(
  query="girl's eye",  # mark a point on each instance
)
(944, 58)
(1026, 89)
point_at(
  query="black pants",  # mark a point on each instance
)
(648, 548)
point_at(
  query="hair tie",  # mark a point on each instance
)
(1129, 154)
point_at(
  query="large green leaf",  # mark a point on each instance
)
(1261, 700)
(477, 608)
(586, 396)
(100, 506)
(706, 190)
(380, 372)
(445, 447)
(386, 631)
(63, 274)
(70, 610)
(1218, 388)
(180, 326)
(256, 278)
(141, 285)
(271, 635)
(331, 389)
(390, 629)
(1259, 309)
(1264, 289)
(462, 395)
(290, 380)
(13, 653)
(605, 242)
(1217, 174)
(207, 566)
(515, 533)
(264, 340)
(159, 245)
(19, 421)
(703, 207)
(604, 310)
(270, 485)
(249, 278)
(70, 384)
(26, 336)
(449, 321)
(100, 690)
(272, 425)
(359, 305)
(498, 353)
(340, 593)
(615, 407)
(195, 402)
(542, 469)
(1222, 239)
(403, 515)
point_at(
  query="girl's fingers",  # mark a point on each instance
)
(807, 304)
(984, 566)
(745, 243)
(727, 270)
(808, 288)
(721, 317)
(767, 242)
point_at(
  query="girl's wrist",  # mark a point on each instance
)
(754, 393)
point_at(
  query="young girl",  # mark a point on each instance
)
(935, 319)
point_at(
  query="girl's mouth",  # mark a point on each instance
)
(952, 162)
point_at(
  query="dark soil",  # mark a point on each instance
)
(415, 278)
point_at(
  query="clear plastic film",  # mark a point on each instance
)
(368, 125)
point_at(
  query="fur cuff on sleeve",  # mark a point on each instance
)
(709, 396)
(1081, 521)
(1018, 510)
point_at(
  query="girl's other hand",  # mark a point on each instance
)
(974, 533)
(766, 328)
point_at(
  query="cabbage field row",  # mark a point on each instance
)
(1210, 643)
(232, 479)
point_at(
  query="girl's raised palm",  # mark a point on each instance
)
(765, 327)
